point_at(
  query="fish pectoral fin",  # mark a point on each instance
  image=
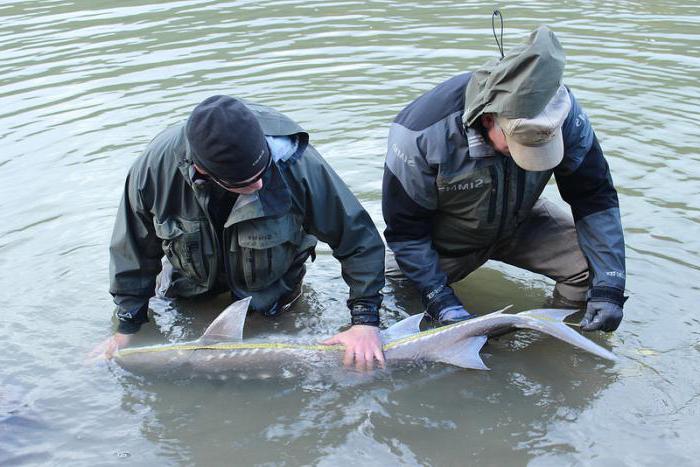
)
(228, 326)
(463, 353)
(403, 328)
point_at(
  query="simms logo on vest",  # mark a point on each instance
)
(402, 156)
(258, 237)
(471, 185)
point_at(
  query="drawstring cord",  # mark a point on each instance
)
(493, 28)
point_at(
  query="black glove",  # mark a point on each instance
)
(604, 309)
(604, 316)
(443, 306)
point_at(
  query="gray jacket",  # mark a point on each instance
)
(446, 192)
(264, 242)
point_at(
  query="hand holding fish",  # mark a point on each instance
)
(603, 316)
(363, 345)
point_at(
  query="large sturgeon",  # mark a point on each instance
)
(221, 350)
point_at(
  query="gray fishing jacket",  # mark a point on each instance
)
(266, 238)
(446, 192)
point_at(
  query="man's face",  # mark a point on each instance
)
(496, 137)
(255, 185)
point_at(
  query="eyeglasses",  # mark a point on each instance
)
(235, 186)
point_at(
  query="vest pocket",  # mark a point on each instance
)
(184, 246)
(469, 197)
(266, 250)
(468, 209)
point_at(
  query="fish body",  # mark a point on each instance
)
(221, 350)
(254, 359)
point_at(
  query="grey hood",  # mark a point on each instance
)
(520, 84)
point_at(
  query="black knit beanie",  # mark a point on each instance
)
(226, 140)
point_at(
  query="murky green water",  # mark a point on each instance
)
(85, 85)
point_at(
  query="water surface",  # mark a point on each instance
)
(85, 85)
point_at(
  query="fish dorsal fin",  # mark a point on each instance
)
(228, 326)
(403, 328)
(463, 353)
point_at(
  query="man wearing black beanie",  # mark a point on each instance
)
(234, 200)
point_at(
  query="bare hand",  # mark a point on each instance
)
(105, 350)
(362, 345)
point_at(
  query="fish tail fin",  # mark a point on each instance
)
(551, 321)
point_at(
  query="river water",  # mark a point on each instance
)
(85, 85)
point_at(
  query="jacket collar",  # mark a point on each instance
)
(273, 200)
(478, 146)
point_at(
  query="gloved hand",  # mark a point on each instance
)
(443, 306)
(600, 315)
(453, 314)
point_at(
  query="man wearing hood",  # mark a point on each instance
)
(234, 200)
(465, 168)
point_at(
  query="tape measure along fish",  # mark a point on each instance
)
(221, 349)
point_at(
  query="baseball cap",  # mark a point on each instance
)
(537, 144)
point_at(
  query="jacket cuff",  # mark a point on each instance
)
(607, 294)
(367, 315)
(130, 320)
(128, 327)
(438, 299)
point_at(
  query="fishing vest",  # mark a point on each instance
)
(482, 200)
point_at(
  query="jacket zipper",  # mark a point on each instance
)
(506, 192)
(225, 259)
(212, 274)
(252, 266)
(494, 193)
(521, 191)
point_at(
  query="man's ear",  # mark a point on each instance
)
(487, 121)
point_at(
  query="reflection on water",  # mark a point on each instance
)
(85, 85)
(414, 414)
